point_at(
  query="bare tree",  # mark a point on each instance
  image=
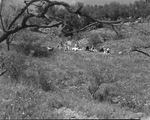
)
(25, 13)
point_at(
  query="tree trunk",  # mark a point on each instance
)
(4, 37)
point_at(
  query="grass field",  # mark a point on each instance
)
(77, 84)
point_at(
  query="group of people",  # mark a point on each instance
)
(89, 49)
(75, 48)
(102, 50)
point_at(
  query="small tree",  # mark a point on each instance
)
(8, 12)
(94, 39)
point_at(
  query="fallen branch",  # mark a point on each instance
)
(140, 51)
(2, 73)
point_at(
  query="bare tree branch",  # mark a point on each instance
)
(42, 14)
(3, 72)
(54, 18)
(1, 17)
(140, 51)
(21, 12)
(9, 40)
(82, 29)
(45, 26)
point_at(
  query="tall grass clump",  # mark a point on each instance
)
(44, 81)
(106, 36)
(15, 66)
(103, 87)
(19, 72)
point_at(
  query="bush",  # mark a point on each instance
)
(38, 51)
(78, 36)
(30, 44)
(39, 79)
(15, 66)
(94, 39)
(106, 36)
(44, 81)
(119, 36)
(26, 39)
(105, 92)
(102, 85)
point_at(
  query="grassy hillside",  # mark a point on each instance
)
(76, 84)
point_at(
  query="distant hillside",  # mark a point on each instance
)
(102, 2)
(91, 2)
(99, 2)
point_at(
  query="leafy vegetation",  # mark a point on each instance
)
(53, 84)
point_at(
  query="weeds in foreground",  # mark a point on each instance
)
(15, 66)
(100, 77)
(43, 81)
(28, 104)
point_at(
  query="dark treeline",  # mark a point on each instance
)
(115, 10)
(112, 11)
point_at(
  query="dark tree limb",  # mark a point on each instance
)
(54, 18)
(47, 26)
(3, 72)
(140, 51)
(9, 40)
(82, 29)
(1, 17)
(116, 31)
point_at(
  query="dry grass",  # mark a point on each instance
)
(92, 84)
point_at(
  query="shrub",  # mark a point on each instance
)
(94, 39)
(106, 36)
(104, 115)
(78, 36)
(27, 48)
(38, 51)
(15, 66)
(105, 92)
(44, 81)
(102, 85)
(30, 44)
(27, 103)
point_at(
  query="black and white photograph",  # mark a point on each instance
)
(75, 59)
